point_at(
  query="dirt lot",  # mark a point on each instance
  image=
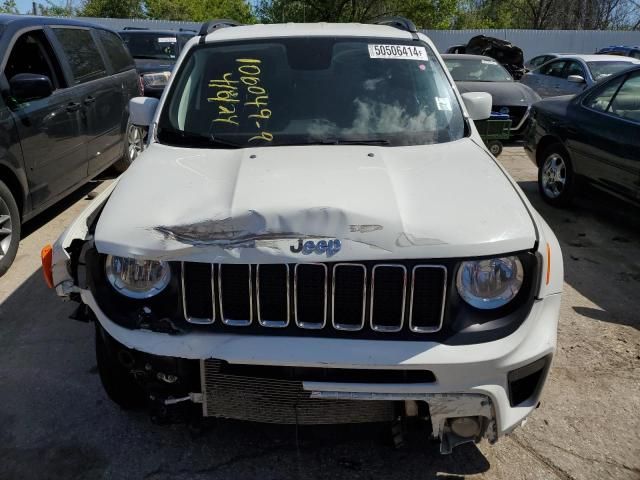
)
(56, 423)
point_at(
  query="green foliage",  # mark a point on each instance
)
(112, 9)
(54, 10)
(199, 10)
(8, 6)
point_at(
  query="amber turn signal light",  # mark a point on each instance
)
(548, 264)
(46, 255)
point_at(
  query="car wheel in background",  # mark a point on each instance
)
(133, 146)
(9, 228)
(556, 179)
(116, 379)
(495, 147)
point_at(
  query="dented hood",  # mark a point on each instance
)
(254, 205)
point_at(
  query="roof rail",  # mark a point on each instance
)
(135, 28)
(213, 25)
(398, 22)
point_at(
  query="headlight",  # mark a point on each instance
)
(159, 79)
(137, 278)
(491, 283)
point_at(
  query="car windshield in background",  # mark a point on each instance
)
(158, 46)
(477, 70)
(602, 70)
(301, 91)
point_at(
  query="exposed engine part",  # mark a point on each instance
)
(192, 397)
(411, 408)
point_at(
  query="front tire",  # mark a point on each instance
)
(133, 146)
(9, 228)
(556, 178)
(117, 381)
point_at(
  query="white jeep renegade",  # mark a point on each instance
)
(316, 234)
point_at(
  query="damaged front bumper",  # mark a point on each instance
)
(475, 381)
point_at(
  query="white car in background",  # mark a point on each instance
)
(316, 233)
(571, 74)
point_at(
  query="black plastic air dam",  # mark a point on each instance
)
(525, 383)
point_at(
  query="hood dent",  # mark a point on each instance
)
(252, 205)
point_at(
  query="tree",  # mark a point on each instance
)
(54, 10)
(112, 9)
(8, 6)
(425, 13)
(199, 10)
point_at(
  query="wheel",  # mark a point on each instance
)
(9, 228)
(133, 146)
(118, 383)
(555, 176)
(495, 147)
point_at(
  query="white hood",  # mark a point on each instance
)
(252, 205)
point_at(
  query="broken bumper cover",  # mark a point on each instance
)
(481, 371)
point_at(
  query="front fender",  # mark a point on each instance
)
(63, 277)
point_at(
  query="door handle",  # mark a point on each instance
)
(73, 106)
(89, 100)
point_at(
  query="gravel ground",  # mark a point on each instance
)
(56, 423)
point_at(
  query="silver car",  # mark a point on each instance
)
(571, 74)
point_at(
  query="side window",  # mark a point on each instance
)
(116, 51)
(601, 99)
(573, 68)
(537, 61)
(83, 54)
(32, 53)
(626, 103)
(553, 69)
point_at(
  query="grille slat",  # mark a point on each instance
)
(428, 292)
(197, 300)
(310, 295)
(388, 297)
(381, 298)
(272, 291)
(349, 295)
(235, 291)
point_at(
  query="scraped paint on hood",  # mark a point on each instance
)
(255, 205)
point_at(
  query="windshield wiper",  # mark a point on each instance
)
(335, 141)
(186, 139)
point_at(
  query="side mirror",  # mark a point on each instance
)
(478, 104)
(575, 78)
(142, 110)
(30, 86)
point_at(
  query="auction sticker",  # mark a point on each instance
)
(167, 40)
(398, 52)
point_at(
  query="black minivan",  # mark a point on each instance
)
(64, 115)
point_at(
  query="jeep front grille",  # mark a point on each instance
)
(386, 298)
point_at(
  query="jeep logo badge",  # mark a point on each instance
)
(330, 247)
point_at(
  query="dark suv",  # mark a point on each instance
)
(64, 114)
(155, 53)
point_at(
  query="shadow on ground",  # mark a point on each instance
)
(600, 240)
(56, 209)
(57, 422)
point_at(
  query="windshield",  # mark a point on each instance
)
(477, 70)
(310, 90)
(158, 46)
(602, 70)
